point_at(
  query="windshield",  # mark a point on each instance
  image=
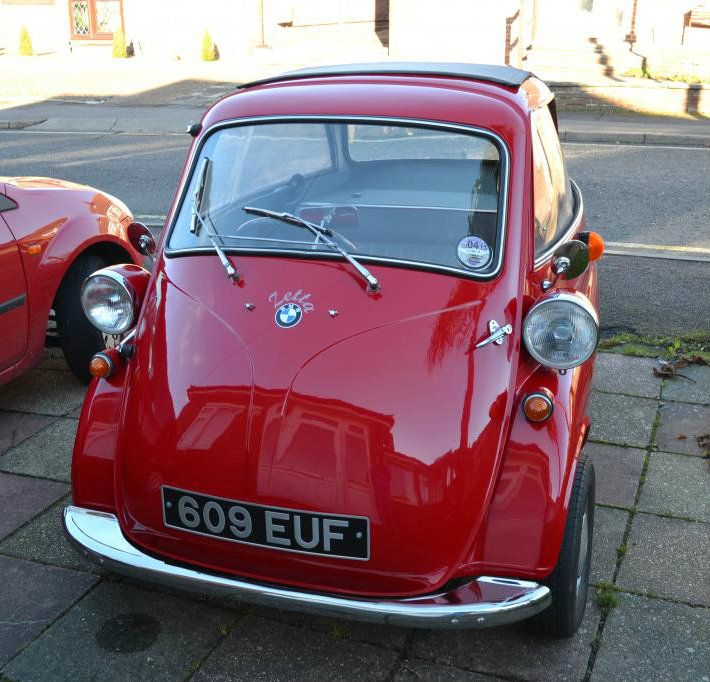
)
(415, 195)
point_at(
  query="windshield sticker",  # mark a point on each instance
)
(288, 315)
(292, 297)
(474, 253)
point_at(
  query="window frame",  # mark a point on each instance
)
(503, 195)
(562, 235)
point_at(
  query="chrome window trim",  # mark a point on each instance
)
(316, 118)
(542, 258)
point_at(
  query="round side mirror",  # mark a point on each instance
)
(570, 259)
(141, 239)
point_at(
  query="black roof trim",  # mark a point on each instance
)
(492, 73)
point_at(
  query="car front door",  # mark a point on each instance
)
(13, 300)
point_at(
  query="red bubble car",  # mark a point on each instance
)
(54, 234)
(356, 381)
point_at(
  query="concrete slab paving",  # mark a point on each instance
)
(22, 498)
(680, 426)
(668, 558)
(618, 471)
(43, 391)
(42, 540)
(649, 639)
(387, 636)
(609, 527)
(414, 670)
(260, 649)
(17, 426)
(31, 597)
(621, 419)
(677, 485)
(616, 373)
(513, 652)
(46, 454)
(693, 389)
(120, 632)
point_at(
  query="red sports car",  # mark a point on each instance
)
(356, 381)
(53, 234)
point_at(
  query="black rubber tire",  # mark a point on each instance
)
(78, 338)
(563, 617)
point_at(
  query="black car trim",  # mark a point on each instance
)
(6, 204)
(12, 303)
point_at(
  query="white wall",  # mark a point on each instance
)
(48, 26)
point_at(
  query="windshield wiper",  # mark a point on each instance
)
(324, 234)
(197, 222)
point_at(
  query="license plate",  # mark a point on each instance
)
(290, 530)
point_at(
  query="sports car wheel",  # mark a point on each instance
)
(78, 338)
(569, 581)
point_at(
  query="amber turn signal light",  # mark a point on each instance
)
(102, 365)
(538, 406)
(595, 244)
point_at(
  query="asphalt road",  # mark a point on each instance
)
(637, 195)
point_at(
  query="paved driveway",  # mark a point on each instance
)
(62, 619)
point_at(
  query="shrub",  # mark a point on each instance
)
(209, 49)
(25, 43)
(119, 44)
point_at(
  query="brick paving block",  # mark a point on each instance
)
(649, 639)
(120, 632)
(46, 454)
(31, 597)
(42, 539)
(618, 471)
(609, 527)
(697, 390)
(512, 652)
(621, 419)
(677, 485)
(54, 359)
(16, 426)
(679, 419)
(43, 391)
(22, 498)
(668, 558)
(260, 649)
(388, 636)
(414, 670)
(615, 373)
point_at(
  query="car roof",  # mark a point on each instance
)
(490, 73)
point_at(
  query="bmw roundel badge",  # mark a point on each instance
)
(288, 315)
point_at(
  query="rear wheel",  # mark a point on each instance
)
(78, 338)
(569, 581)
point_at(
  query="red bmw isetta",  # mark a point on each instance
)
(356, 381)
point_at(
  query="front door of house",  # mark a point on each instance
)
(95, 19)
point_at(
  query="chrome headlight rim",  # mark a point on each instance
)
(128, 289)
(575, 298)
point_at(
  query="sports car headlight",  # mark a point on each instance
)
(561, 331)
(109, 301)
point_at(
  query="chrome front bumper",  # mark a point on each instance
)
(483, 602)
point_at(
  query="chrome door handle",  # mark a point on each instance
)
(497, 335)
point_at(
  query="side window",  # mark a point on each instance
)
(554, 202)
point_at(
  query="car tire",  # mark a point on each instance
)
(569, 581)
(78, 338)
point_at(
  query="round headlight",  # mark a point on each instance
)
(109, 301)
(561, 331)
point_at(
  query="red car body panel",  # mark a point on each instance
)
(54, 222)
(392, 414)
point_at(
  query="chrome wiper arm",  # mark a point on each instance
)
(324, 234)
(231, 271)
(195, 221)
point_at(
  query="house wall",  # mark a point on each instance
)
(449, 30)
(47, 22)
